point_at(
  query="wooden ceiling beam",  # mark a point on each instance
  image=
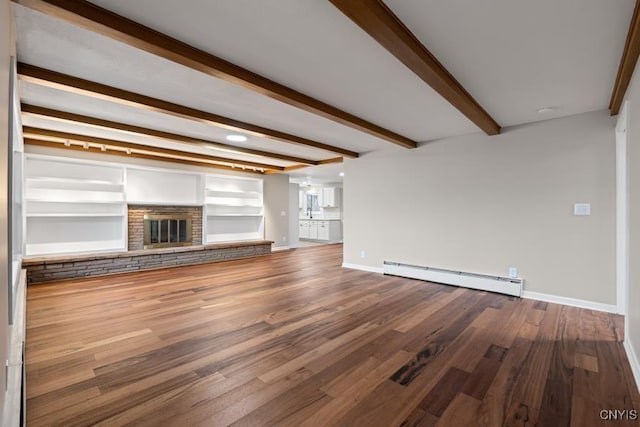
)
(47, 134)
(320, 162)
(294, 167)
(132, 154)
(69, 83)
(104, 22)
(376, 19)
(108, 124)
(628, 62)
(333, 160)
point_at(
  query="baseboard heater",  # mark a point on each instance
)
(502, 285)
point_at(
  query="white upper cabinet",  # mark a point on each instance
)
(331, 197)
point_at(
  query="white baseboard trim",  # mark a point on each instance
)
(280, 248)
(591, 305)
(633, 360)
(378, 270)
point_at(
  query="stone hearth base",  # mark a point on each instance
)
(47, 269)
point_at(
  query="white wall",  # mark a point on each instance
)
(6, 50)
(294, 213)
(482, 204)
(276, 187)
(276, 209)
(632, 335)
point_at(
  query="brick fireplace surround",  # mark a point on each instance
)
(64, 267)
(135, 222)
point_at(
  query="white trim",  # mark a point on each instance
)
(633, 360)
(622, 213)
(11, 413)
(378, 270)
(610, 308)
(280, 248)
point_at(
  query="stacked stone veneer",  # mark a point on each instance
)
(46, 269)
(136, 222)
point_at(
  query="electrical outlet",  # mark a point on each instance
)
(363, 254)
(513, 272)
(283, 213)
(284, 238)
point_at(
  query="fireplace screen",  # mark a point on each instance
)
(161, 231)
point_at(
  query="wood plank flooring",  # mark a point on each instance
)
(293, 339)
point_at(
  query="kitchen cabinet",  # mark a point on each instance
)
(331, 197)
(323, 230)
(313, 230)
(304, 229)
(329, 230)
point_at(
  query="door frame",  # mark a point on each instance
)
(622, 213)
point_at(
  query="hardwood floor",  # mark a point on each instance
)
(294, 339)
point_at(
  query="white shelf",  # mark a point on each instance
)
(234, 194)
(237, 215)
(73, 184)
(73, 207)
(233, 209)
(229, 237)
(82, 215)
(236, 205)
(76, 202)
(64, 194)
(55, 179)
(58, 248)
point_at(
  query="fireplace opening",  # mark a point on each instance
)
(161, 231)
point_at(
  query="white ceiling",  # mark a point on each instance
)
(322, 174)
(79, 104)
(512, 56)
(515, 57)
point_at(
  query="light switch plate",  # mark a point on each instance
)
(582, 209)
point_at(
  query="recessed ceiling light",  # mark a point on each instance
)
(341, 173)
(236, 138)
(545, 110)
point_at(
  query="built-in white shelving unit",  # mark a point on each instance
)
(233, 208)
(73, 206)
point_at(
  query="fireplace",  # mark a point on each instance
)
(161, 231)
(163, 226)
